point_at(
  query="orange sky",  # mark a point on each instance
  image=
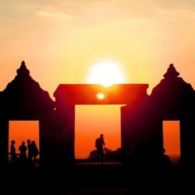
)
(171, 138)
(61, 40)
(22, 131)
(62, 37)
(91, 121)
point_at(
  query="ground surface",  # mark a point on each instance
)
(92, 178)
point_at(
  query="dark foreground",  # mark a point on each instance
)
(91, 178)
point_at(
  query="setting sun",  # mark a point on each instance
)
(100, 96)
(106, 73)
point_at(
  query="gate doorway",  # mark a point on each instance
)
(20, 131)
(171, 139)
(91, 121)
(68, 96)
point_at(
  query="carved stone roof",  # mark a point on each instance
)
(23, 71)
(172, 93)
(24, 95)
(171, 72)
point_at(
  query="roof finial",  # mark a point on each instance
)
(23, 71)
(23, 63)
(171, 72)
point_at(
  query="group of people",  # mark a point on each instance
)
(29, 151)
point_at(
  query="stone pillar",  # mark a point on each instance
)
(187, 137)
(69, 133)
(66, 135)
(4, 129)
(125, 129)
(49, 139)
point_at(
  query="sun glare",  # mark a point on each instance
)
(100, 96)
(106, 73)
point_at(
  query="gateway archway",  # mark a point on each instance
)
(90, 122)
(69, 95)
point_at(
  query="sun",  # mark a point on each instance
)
(100, 96)
(106, 73)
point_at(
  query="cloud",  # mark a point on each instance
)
(86, 13)
(92, 10)
(55, 14)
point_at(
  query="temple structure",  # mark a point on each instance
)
(141, 117)
(24, 99)
(172, 99)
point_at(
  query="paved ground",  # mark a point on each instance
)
(92, 178)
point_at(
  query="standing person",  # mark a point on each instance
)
(35, 151)
(99, 144)
(13, 151)
(23, 150)
(29, 146)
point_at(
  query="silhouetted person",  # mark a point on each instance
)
(13, 151)
(29, 146)
(23, 150)
(99, 144)
(165, 160)
(35, 151)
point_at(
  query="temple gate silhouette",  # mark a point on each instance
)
(23, 99)
(69, 95)
(141, 117)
